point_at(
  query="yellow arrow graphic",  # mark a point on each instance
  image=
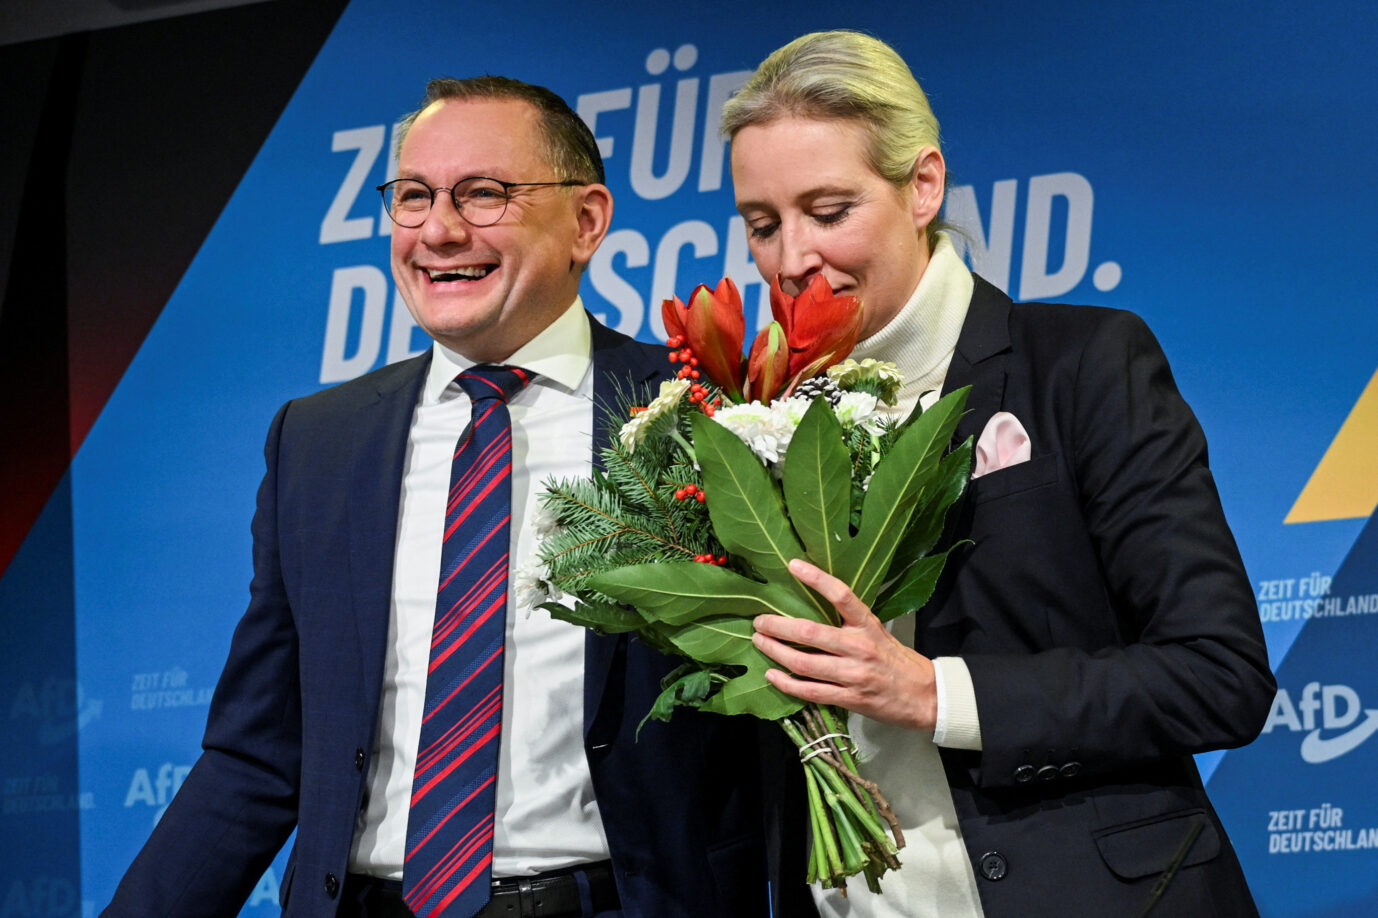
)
(1345, 483)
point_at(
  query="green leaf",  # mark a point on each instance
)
(748, 510)
(727, 640)
(817, 484)
(705, 612)
(926, 526)
(896, 486)
(912, 590)
(677, 594)
(603, 617)
(687, 685)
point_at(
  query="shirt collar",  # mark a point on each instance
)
(560, 354)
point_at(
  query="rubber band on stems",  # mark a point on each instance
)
(805, 756)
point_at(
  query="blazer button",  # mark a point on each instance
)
(358, 760)
(1071, 769)
(1047, 773)
(993, 866)
(1024, 774)
(332, 885)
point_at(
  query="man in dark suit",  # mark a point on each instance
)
(314, 722)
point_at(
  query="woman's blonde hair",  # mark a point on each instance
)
(844, 74)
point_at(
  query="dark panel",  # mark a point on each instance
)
(113, 119)
(34, 389)
(172, 113)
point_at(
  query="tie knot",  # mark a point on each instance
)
(487, 381)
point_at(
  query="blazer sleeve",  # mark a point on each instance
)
(238, 805)
(1180, 667)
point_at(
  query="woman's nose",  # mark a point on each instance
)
(799, 259)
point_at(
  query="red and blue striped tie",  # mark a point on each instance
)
(450, 827)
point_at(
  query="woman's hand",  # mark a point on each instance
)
(859, 666)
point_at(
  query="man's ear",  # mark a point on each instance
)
(593, 210)
(929, 184)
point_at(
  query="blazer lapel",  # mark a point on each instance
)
(979, 361)
(619, 364)
(375, 489)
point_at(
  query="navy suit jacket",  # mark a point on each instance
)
(1106, 619)
(292, 723)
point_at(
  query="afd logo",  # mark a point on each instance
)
(1338, 708)
(59, 706)
(156, 788)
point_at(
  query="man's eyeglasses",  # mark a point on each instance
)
(480, 200)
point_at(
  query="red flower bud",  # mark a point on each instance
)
(768, 366)
(821, 328)
(713, 327)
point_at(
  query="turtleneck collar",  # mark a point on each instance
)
(922, 337)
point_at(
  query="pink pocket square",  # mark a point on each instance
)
(1002, 444)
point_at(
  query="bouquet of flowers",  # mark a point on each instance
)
(737, 466)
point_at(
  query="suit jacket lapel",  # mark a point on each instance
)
(619, 363)
(375, 489)
(979, 361)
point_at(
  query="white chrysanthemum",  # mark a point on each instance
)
(759, 427)
(634, 431)
(545, 522)
(531, 584)
(790, 410)
(855, 408)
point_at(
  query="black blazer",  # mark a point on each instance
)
(292, 723)
(1107, 621)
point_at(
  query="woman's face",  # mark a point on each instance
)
(813, 205)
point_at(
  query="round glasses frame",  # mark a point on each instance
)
(479, 200)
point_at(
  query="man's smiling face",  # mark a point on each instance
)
(486, 291)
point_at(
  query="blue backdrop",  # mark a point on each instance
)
(1207, 166)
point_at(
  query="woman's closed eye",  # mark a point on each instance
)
(763, 229)
(832, 215)
(826, 216)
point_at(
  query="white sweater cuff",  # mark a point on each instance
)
(958, 726)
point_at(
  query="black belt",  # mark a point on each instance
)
(554, 894)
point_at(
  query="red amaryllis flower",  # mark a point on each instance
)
(821, 328)
(767, 369)
(713, 327)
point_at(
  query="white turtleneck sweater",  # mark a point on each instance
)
(936, 879)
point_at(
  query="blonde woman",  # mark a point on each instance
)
(1035, 722)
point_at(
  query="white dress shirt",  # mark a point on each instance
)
(546, 817)
(935, 879)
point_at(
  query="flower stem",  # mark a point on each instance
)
(846, 812)
(823, 833)
(684, 444)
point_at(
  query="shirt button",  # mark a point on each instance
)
(1024, 774)
(358, 760)
(994, 866)
(332, 885)
(1047, 773)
